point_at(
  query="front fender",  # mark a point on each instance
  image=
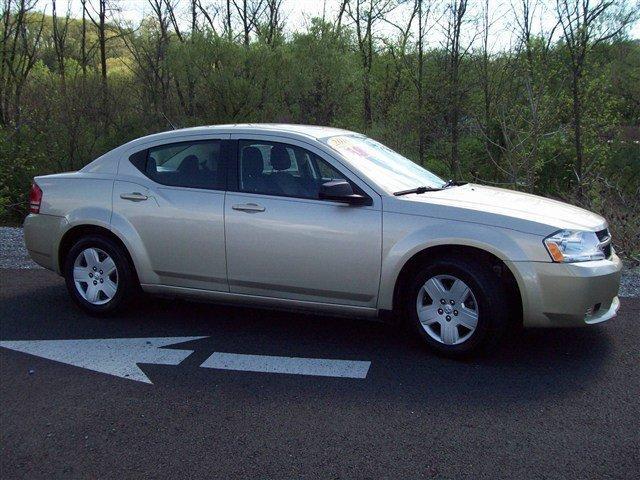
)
(407, 235)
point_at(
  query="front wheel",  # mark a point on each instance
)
(98, 275)
(458, 306)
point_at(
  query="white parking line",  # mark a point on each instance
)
(291, 365)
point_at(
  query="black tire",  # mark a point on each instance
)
(126, 278)
(489, 292)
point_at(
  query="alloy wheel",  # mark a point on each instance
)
(95, 276)
(447, 309)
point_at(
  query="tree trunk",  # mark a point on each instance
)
(577, 131)
(485, 77)
(83, 41)
(245, 20)
(457, 18)
(420, 106)
(368, 57)
(229, 31)
(366, 93)
(455, 116)
(103, 51)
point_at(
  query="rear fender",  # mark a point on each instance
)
(126, 232)
(85, 216)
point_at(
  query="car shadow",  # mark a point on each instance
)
(532, 366)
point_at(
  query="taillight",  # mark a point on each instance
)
(35, 198)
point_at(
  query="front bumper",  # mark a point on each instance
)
(568, 295)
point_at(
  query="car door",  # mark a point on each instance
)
(172, 196)
(283, 241)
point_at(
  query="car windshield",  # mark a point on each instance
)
(387, 168)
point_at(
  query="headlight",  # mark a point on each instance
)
(574, 246)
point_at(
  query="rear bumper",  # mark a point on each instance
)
(568, 295)
(42, 235)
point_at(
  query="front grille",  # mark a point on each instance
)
(605, 241)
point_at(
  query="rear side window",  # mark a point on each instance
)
(198, 164)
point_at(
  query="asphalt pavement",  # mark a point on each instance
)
(550, 404)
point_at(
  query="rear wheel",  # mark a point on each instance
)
(99, 275)
(458, 306)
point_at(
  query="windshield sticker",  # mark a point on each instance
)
(347, 145)
(390, 169)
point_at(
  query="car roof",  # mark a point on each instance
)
(309, 131)
(312, 131)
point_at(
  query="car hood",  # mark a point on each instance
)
(499, 207)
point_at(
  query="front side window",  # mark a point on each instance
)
(197, 164)
(274, 168)
(387, 168)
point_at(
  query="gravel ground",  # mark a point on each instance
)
(13, 254)
(630, 285)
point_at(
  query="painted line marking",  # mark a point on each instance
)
(113, 356)
(320, 367)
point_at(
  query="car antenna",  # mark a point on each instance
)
(167, 119)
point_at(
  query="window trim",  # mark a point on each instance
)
(226, 153)
(234, 172)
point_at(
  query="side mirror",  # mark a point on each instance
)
(341, 191)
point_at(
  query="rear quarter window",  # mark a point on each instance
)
(198, 164)
(139, 160)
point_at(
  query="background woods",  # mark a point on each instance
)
(537, 95)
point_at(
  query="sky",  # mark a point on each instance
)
(299, 12)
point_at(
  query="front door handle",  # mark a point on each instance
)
(134, 197)
(248, 207)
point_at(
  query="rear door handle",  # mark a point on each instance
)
(248, 207)
(134, 197)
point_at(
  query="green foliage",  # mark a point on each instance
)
(19, 162)
(515, 122)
